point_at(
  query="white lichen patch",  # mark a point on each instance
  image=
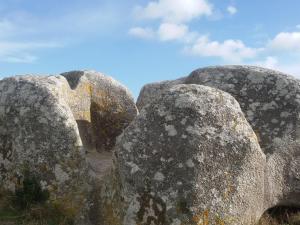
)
(180, 165)
(133, 208)
(183, 121)
(169, 117)
(285, 114)
(176, 222)
(43, 184)
(161, 112)
(127, 146)
(134, 167)
(171, 130)
(159, 176)
(60, 175)
(200, 157)
(190, 163)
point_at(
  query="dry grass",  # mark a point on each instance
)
(30, 205)
(281, 216)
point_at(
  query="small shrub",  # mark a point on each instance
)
(30, 205)
(30, 193)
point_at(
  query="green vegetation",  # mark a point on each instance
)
(30, 193)
(30, 205)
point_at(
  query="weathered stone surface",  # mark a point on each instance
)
(152, 91)
(189, 157)
(269, 99)
(282, 183)
(101, 106)
(39, 135)
(52, 126)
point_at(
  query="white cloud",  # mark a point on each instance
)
(165, 32)
(171, 31)
(272, 62)
(18, 52)
(140, 32)
(232, 10)
(292, 68)
(174, 17)
(175, 11)
(25, 58)
(286, 41)
(228, 50)
(23, 34)
(6, 28)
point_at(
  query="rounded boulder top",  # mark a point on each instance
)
(189, 154)
(269, 99)
(102, 107)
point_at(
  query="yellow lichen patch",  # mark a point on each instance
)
(257, 135)
(104, 117)
(202, 218)
(109, 214)
(219, 221)
(229, 186)
(111, 203)
(67, 207)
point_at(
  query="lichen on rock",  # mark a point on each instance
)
(50, 123)
(219, 166)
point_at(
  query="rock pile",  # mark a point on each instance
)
(270, 101)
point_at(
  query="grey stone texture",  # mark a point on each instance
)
(101, 106)
(39, 136)
(219, 146)
(190, 156)
(61, 129)
(282, 185)
(269, 99)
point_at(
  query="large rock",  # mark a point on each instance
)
(153, 91)
(190, 157)
(39, 137)
(102, 107)
(61, 129)
(283, 175)
(269, 99)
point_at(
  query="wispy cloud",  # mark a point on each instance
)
(175, 11)
(229, 50)
(23, 34)
(20, 52)
(273, 62)
(174, 25)
(231, 10)
(172, 31)
(144, 33)
(286, 41)
(174, 20)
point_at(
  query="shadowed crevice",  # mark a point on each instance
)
(281, 215)
(73, 78)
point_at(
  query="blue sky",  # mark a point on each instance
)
(138, 42)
